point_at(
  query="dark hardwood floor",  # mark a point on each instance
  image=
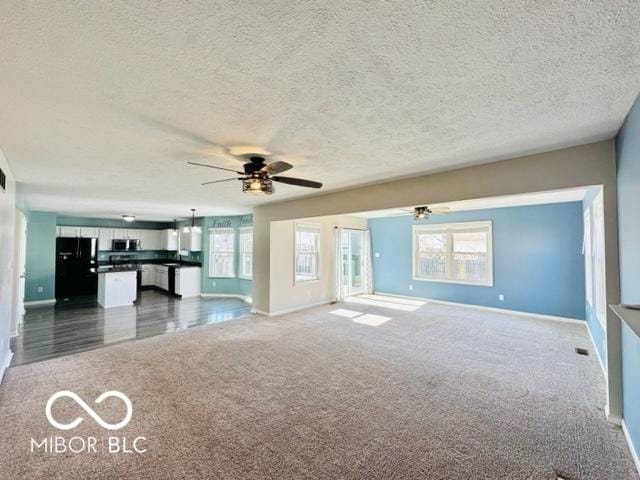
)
(80, 324)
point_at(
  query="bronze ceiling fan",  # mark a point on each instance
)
(258, 176)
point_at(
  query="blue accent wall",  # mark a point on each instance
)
(40, 256)
(537, 260)
(628, 164)
(234, 285)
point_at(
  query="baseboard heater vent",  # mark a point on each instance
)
(582, 351)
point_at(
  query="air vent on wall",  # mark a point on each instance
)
(3, 180)
(582, 351)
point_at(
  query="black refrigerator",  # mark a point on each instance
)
(76, 264)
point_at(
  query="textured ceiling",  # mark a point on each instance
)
(102, 103)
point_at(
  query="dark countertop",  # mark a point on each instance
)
(105, 269)
(629, 316)
(157, 261)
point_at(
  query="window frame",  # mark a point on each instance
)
(212, 254)
(241, 274)
(449, 229)
(313, 226)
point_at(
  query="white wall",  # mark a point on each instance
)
(7, 212)
(286, 295)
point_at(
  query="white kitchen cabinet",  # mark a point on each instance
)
(119, 233)
(68, 231)
(162, 277)
(191, 239)
(89, 232)
(148, 277)
(150, 239)
(188, 281)
(116, 289)
(105, 237)
(133, 233)
(169, 239)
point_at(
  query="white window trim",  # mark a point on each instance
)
(587, 250)
(213, 231)
(242, 230)
(318, 226)
(599, 258)
(448, 227)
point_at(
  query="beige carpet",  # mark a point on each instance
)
(440, 393)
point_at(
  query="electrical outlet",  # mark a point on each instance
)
(40, 289)
(377, 254)
(410, 287)
(501, 297)
(213, 284)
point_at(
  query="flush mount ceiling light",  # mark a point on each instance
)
(128, 218)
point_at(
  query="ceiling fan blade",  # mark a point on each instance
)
(212, 166)
(218, 181)
(276, 167)
(300, 182)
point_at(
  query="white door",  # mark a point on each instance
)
(352, 253)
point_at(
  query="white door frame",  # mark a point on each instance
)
(19, 260)
(349, 272)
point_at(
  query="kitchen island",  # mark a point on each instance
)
(117, 287)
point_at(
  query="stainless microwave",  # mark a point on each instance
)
(125, 245)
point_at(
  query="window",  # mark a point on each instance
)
(454, 253)
(307, 247)
(246, 253)
(221, 252)
(588, 257)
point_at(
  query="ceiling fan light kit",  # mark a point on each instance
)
(421, 213)
(257, 186)
(258, 176)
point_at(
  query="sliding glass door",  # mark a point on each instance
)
(352, 249)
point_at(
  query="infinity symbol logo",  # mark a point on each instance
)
(89, 410)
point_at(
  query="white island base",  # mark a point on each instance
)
(117, 289)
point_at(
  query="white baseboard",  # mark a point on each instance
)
(4, 363)
(595, 349)
(39, 303)
(611, 418)
(222, 295)
(491, 309)
(293, 309)
(634, 452)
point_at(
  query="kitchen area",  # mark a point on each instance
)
(115, 264)
(92, 281)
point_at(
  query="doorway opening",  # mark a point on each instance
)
(352, 256)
